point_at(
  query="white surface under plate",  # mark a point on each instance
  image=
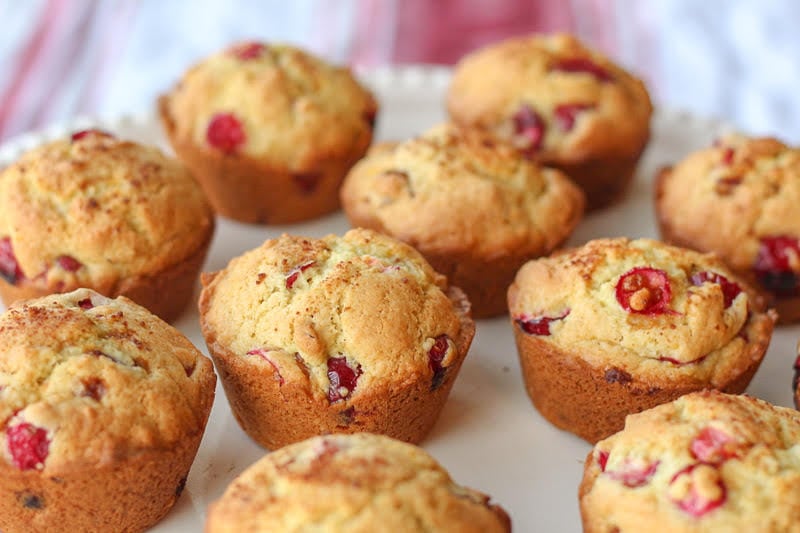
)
(489, 436)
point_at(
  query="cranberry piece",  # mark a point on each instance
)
(85, 304)
(713, 445)
(633, 474)
(370, 116)
(28, 445)
(727, 156)
(30, 500)
(773, 264)
(78, 135)
(293, 274)
(697, 489)
(529, 125)
(539, 325)
(617, 375)
(565, 114)
(435, 357)
(644, 290)
(602, 459)
(9, 268)
(262, 352)
(68, 263)
(225, 132)
(681, 363)
(343, 378)
(730, 289)
(307, 183)
(247, 51)
(582, 65)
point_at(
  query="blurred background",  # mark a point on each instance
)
(732, 59)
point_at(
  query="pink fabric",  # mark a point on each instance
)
(443, 31)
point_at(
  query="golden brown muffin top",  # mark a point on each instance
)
(273, 103)
(454, 190)
(552, 96)
(352, 483)
(738, 198)
(641, 307)
(94, 210)
(707, 461)
(85, 380)
(364, 307)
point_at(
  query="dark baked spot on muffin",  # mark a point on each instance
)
(29, 500)
(307, 182)
(189, 368)
(180, 487)
(343, 378)
(370, 116)
(9, 268)
(260, 278)
(617, 375)
(725, 186)
(347, 416)
(142, 363)
(94, 388)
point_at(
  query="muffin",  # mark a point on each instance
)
(739, 199)
(705, 462)
(334, 335)
(561, 103)
(475, 209)
(618, 326)
(269, 130)
(102, 408)
(355, 484)
(99, 212)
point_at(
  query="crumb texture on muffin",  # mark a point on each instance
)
(456, 191)
(366, 300)
(706, 462)
(738, 198)
(641, 307)
(86, 381)
(559, 99)
(98, 211)
(353, 483)
(273, 103)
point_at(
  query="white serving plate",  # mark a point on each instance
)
(489, 436)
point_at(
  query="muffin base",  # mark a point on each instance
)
(165, 294)
(246, 190)
(604, 180)
(592, 402)
(131, 494)
(275, 414)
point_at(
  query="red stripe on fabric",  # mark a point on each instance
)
(30, 55)
(114, 33)
(75, 47)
